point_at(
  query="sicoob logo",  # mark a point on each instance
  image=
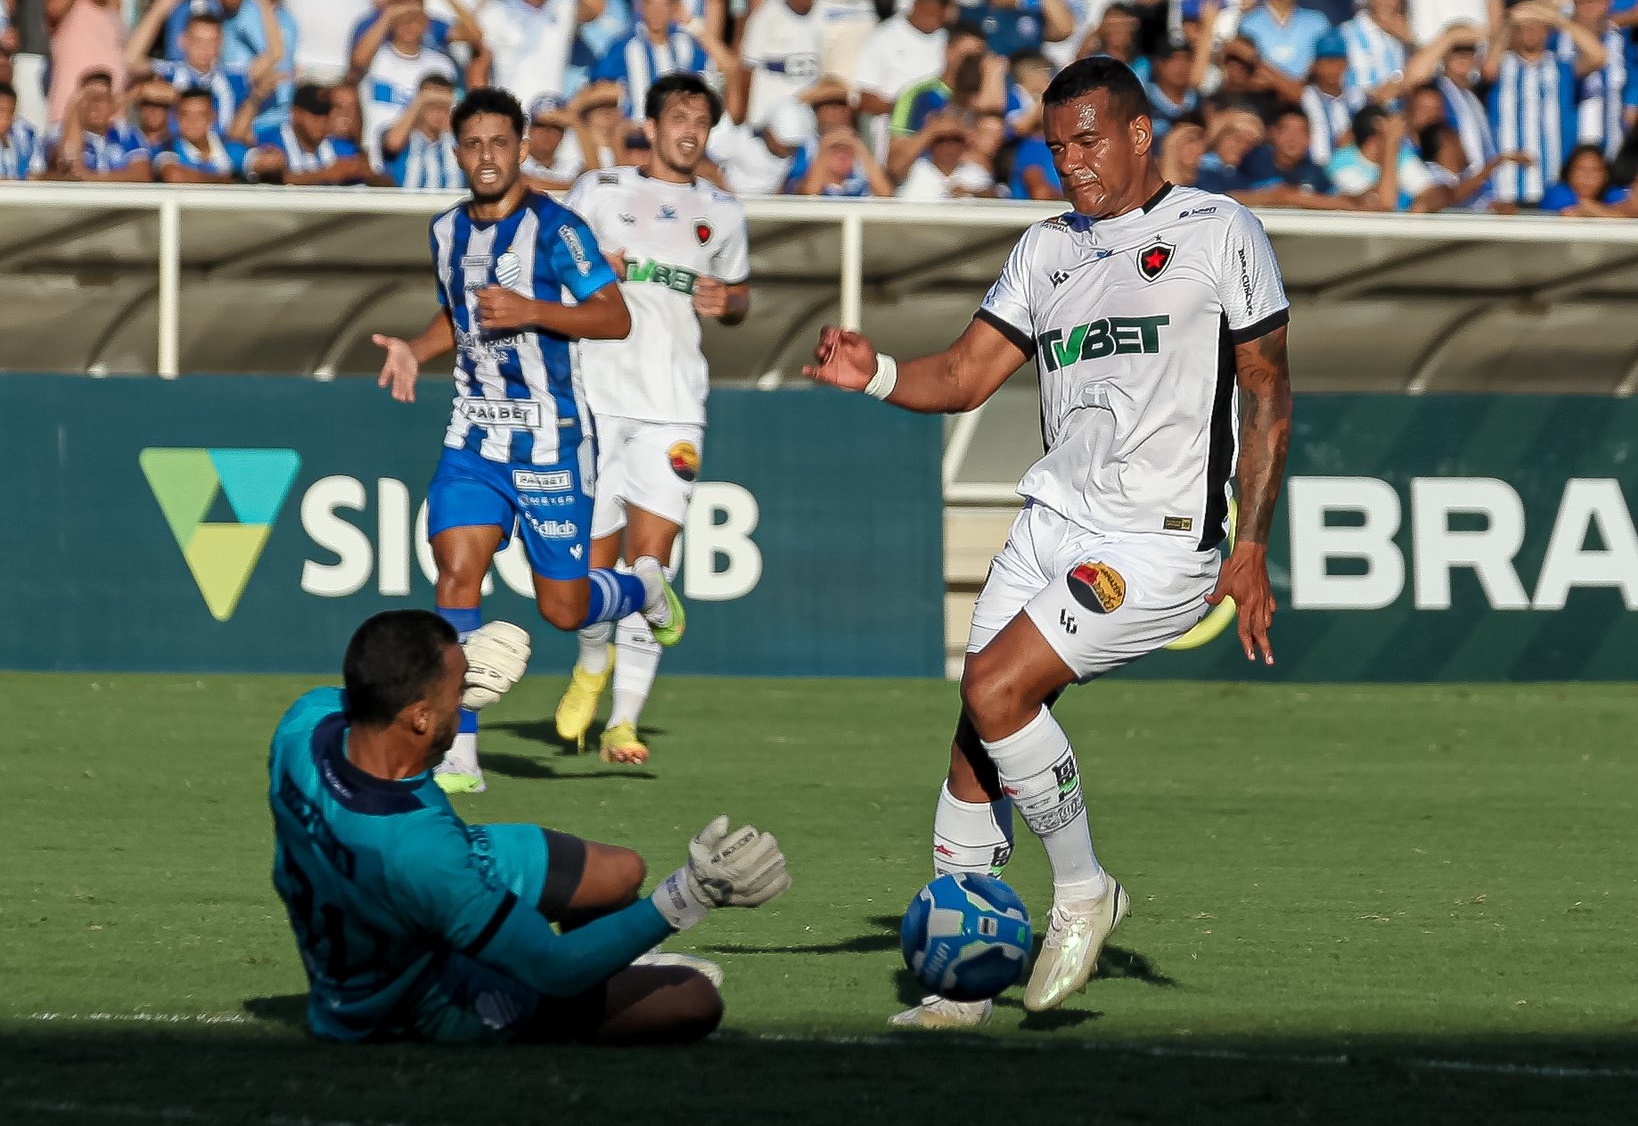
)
(1097, 586)
(221, 554)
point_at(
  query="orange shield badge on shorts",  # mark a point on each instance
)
(1097, 586)
(685, 460)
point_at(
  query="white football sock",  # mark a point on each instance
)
(971, 836)
(648, 571)
(594, 647)
(1039, 771)
(463, 756)
(636, 663)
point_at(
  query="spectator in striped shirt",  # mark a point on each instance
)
(1376, 40)
(1533, 95)
(152, 101)
(1608, 104)
(1450, 62)
(1440, 147)
(312, 153)
(1327, 100)
(418, 149)
(93, 144)
(22, 157)
(199, 154)
(660, 45)
(201, 64)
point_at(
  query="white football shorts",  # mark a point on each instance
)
(1101, 601)
(650, 465)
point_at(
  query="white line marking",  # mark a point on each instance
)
(989, 1043)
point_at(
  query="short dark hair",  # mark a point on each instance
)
(204, 18)
(1285, 110)
(99, 75)
(1428, 140)
(436, 81)
(392, 661)
(1099, 72)
(193, 94)
(7, 90)
(1367, 123)
(964, 29)
(487, 99)
(685, 84)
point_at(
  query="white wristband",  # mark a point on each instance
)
(677, 903)
(886, 378)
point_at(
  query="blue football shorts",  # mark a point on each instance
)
(548, 505)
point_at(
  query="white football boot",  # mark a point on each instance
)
(1069, 953)
(703, 966)
(940, 1012)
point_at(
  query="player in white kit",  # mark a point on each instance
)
(1143, 308)
(679, 247)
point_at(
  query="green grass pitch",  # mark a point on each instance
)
(1350, 904)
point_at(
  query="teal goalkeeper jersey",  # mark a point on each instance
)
(383, 882)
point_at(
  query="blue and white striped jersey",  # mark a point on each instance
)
(299, 159)
(1472, 122)
(1532, 109)
(1329, 117)
(112, 151)
(1374, 56)
(228, 87)
(636, 61)
(21, 153)
(425, 163)
(1603, 97)
(518, 395)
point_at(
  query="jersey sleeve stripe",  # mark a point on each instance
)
(1019, 338)
(491, 928)
(1277, 319)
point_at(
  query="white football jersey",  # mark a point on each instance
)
(669, 235)
(1133, 323)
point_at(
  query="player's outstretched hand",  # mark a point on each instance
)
(497, 653)
(843, 358)
(501, 309)
(1244, 578)
(726, 868)
(400, 369)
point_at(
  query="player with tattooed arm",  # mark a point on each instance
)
(1144, 308)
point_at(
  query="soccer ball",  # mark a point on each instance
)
(966, 937)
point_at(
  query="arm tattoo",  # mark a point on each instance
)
(1265, 432)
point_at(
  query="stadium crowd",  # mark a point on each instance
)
(1407, 105)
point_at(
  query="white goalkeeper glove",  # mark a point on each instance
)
(496, 655)
(743, 868)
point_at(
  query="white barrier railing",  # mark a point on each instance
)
(856, 221)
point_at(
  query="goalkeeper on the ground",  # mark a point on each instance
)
(414, 925)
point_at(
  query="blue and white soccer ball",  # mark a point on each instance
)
(966, 937)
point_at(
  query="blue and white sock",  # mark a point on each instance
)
(463, 756)
(613, 596)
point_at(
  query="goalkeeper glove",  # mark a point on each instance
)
(496, 655)
(743, 868)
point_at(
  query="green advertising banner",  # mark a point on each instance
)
(1447, 538)
(244, 524)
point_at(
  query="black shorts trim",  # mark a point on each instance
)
(1277, 319)
(565, 868)
(1019, 338)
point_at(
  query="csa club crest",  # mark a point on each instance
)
(685, 460)
(702, 231)
(1153, 259)
(509, 269)
(1098, 587)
